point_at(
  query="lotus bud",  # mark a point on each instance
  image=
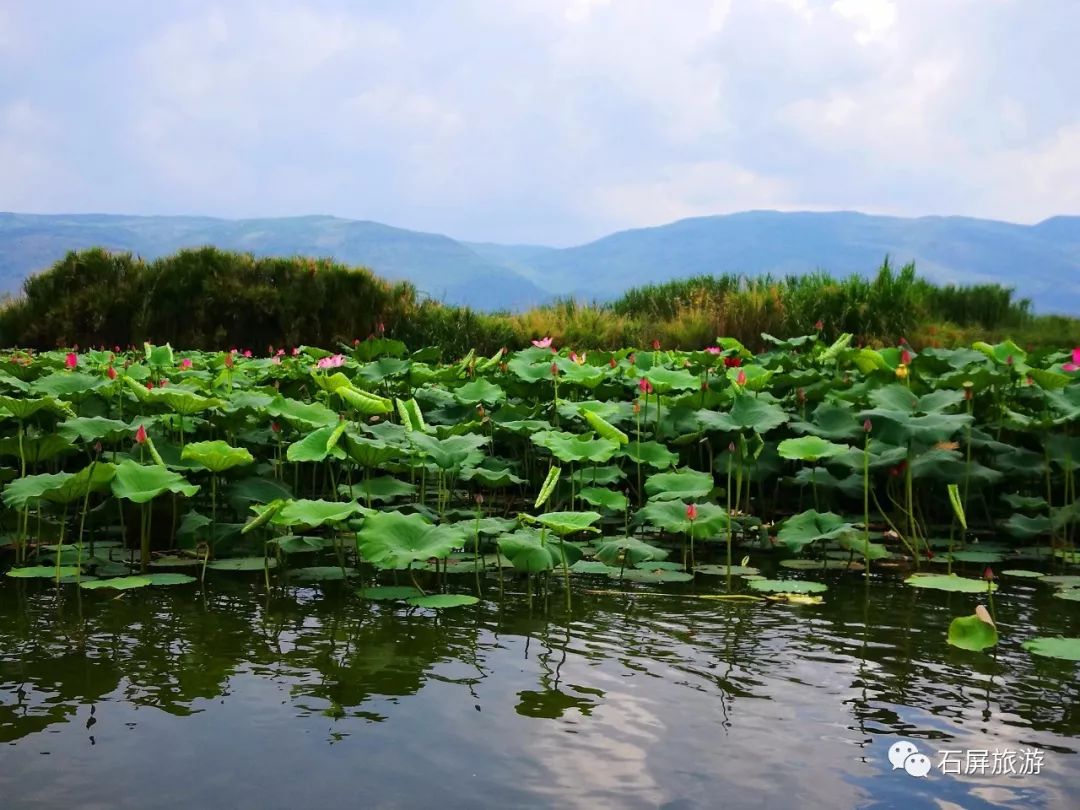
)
(185, 363)
(480, 411)
(71, 360)
(1009, 360)
(149, 385)
(866, 426)
(97, 448)
(479, 499)
(110, 372)
(800, 394)
(905, 357)
(988, 574)
(731, 447)
(163, 383)
(819, 325)
(691, 512)
(612, 362)
(229, 360)
(554, 369)
(247, 353)
(637, 407)
(741, 379)
(275, 427)
(656, 345)
(632, 358)
(140, 435)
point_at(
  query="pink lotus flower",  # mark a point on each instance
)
(185, 363)
(1075, 364)
(247, 352)
(140, 435)
(573, 357)
(296, 351)
(691, 512)
(712, 349)
(71, 360)
(277, 360)
(333, 361)
(645, 386)
(543, 343)
(656, 345)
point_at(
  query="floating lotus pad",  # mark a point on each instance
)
(169, 579)
(787, 585)
(722, 570)
(1067, 649)
(946, 582)
(442, 601)
(653, 576)
(43, 572)
(117, 583)
(591, 567)
(174, 562)
(1022, 573)
(1071, 594)
(321, 573)
(242, 564)
(809, 565)
(388, 593)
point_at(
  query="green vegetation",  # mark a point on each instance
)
(155, 468)
(212, 299)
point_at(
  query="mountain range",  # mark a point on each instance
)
(1041, 261)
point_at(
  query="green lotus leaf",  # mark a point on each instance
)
(451, 452)
(312, 513)
(1025, 527)
(43, 572)
(665, 380)
(1022, 573)
(321, 573)
(117, 583)
(217, 456)
(604, 498)
(181, 401)
(369, 452)
(809, 448)
(140, 483)
(389, 593)
(722, 570)
(684, 484)
(787, 585)
(94, 428)
(564, 523)
(949, 582)
(1067, 649)
(652, 576)
(855, 542)
(35, 449)
(170, 579)
(807, 527)
(572, 448)
(605, 429)
(747, 413)
(383, 488)
(651, 453)
(242, 564)
(820, 565)
(480, 391)
(62, 487)
(598, 476)
(314, 447)
(972, 633)
(531, 551)
(394, 540)
(24, 407)
(492, 479)
(628, 551)
(302, 415)
(591, 567)
(442, 601)
(671, 516)
(67, 384)
(832, 421)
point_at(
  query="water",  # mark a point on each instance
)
(176, 698)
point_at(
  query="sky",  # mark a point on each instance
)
(540, 121)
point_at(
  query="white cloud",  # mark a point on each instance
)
(541, 120)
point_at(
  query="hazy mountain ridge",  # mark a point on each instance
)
(1042, 261)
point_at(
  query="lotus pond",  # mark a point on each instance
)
(544, 578)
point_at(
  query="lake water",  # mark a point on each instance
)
(226, 697)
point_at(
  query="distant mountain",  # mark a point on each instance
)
(1042, 261)
(439, 266)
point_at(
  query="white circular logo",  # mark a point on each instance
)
(903, 754)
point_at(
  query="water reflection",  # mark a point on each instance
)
(634, 700)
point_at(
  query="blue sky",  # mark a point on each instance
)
(546, 121)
